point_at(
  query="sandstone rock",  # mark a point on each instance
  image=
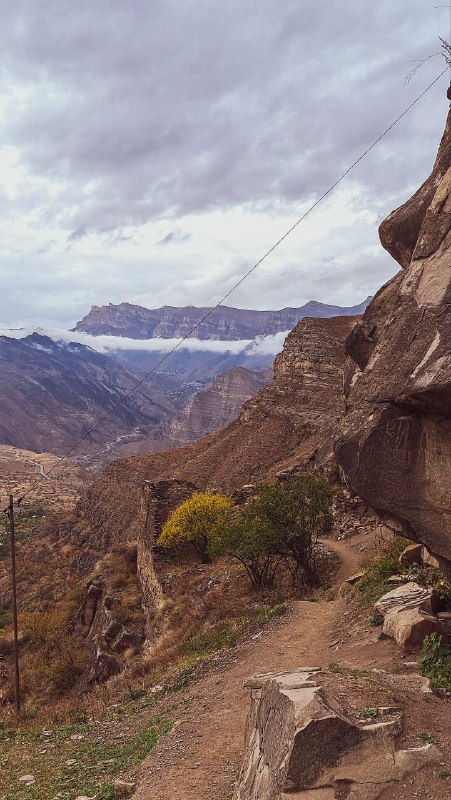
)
(27, 780)
(408, 615)
(411, 555)
(355, 578)
(409, 627)
(394, 443)
(410, 595)
(298, 745)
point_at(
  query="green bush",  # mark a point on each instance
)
(435, 662)
(281, 523)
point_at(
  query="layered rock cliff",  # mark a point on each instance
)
(395, 439)
(226, 324)
(217, 404)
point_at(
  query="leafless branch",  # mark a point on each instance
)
(446, 51)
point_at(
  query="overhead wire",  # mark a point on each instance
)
(243, 278)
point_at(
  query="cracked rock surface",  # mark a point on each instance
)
(394, 443)
(300, 745)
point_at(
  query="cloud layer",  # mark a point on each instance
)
(261, 345)
(153, 150)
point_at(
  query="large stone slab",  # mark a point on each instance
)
(300, 746)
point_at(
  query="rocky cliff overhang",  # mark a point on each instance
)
(394, 443)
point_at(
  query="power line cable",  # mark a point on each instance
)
(236, 285)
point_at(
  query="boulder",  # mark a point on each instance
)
(394, 441)
(408, 613)
(301, 745)
(411, 555)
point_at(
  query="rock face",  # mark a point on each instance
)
(224, 324)
(395, 440)
(299, 744)
(106, 635)
(217, 405)
(408, 613)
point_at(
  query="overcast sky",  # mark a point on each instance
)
(152, 150)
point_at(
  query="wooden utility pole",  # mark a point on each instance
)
(14, 586)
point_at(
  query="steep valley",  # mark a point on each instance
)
(157, 643)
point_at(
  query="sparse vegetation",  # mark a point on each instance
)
(53, 660)
(369, 713)
(79, 762)
(337, 669)
(374, 583)
(426, 737)
(435, 662)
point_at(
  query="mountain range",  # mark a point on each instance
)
(54, 392)
(225, 323)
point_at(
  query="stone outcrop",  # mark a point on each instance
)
(409, 615)
(394, 443)
(105, 635)
(300, 744)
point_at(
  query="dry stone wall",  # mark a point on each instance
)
(158, 500)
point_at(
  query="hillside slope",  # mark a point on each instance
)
(205, 412)
(52, 393)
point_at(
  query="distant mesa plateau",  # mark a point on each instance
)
(226, 324)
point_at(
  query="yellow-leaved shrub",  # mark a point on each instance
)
(196, 521)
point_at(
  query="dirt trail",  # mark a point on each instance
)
(200, 760)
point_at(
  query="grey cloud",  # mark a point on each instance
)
(174, 237)
(178, 107)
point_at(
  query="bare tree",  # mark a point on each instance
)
(445, 52)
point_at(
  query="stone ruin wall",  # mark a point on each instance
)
(158, 501)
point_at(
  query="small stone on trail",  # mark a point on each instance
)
(26, 780)
(123, 788)
(70, 762)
